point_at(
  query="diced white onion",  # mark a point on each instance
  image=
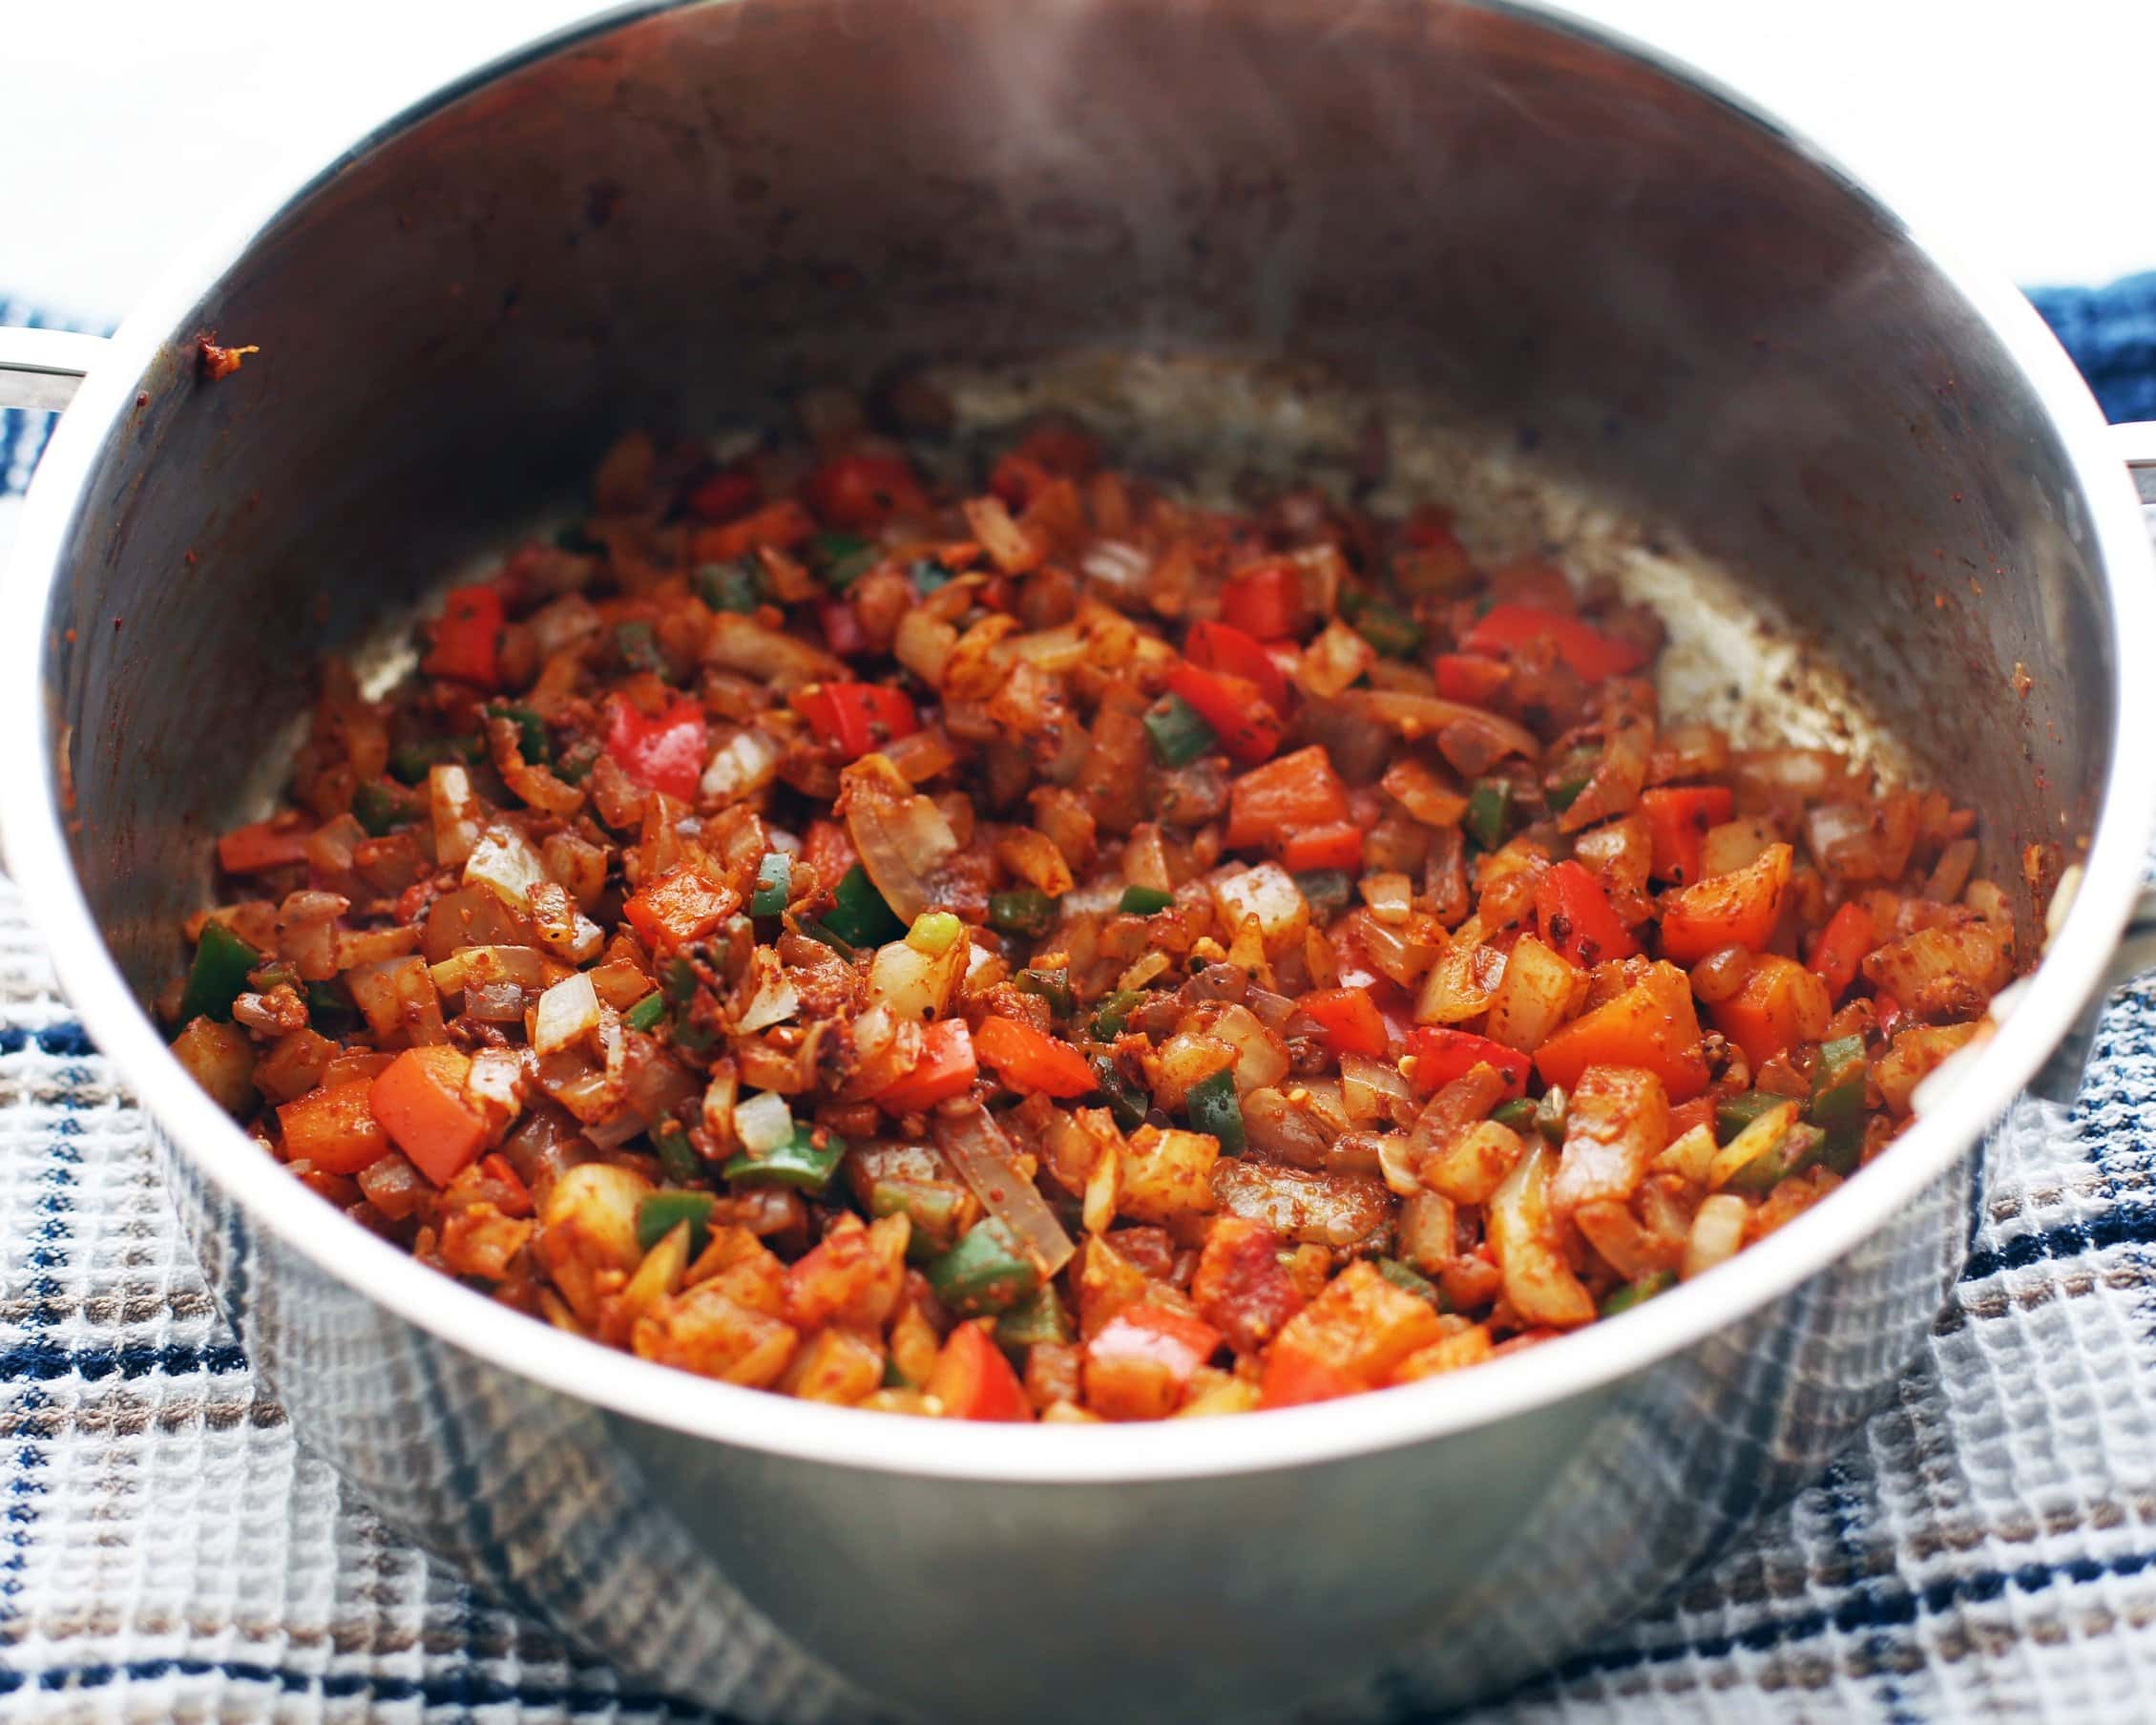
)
(504, 863)
(763, 1122)
(1116, 563)
(568, 1012)
(775, 999)
(740, 768)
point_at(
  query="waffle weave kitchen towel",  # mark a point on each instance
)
(1986, 1549)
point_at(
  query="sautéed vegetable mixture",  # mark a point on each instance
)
(1043, 950)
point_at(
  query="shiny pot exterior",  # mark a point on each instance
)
(1476, 216)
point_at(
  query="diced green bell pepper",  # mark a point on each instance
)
(1033, 1320)
(677, 1155)
(729, 586)
(1552, 1112)
(858, 915)
(1143, 901)
(382, 807)
(1325, 890)
(648, 1013)
(984, 1274)
(1113, 1012)
(1562, 797)
(774, 882)
(1518, 1113)
(330, 1008)
(659, 1212)
(1128, 1103)
(928, 575)
(1180, 736)
(1213, 1107)
(1638, 1293)
(1837, 1106)
(636, 643)
(1410, 1280)
(1489, 812)
(1051, 985)
(1732, 1114)
(933, 1209)
(806, 1161)
(1780, 1156)
(218, 975)
(531, 739)
(1388, 628)
(1021, 911)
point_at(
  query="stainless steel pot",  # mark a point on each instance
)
(1486, 216)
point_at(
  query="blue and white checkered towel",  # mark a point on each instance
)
(1987, 1550)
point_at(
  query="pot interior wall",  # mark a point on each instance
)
(1483, 223)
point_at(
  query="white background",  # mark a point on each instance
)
(2019, 127)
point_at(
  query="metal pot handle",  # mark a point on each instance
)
(42, 369)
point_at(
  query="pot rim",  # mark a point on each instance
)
(1596, 1359)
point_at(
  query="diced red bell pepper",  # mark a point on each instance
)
(1470, 678)
(1586, 649)
(1442, 1054)
(1576, 917)
(1889, 1013)
(1335, 844)
(828, 848)
(1285, 796)
(1349, 1019)
(1294, 1378)
(262, 844)
(864, 489)
(1838, 948)
(730, 493)
(856, 718)
(1248, 725)
(419, 1099)
(1216, 646)
(663, 753)
(468, 637)
(843, 632)
(1678, 817)
(1025, 1060)
(1264, 600)
(681, 906)
(1144, 1331)
(973, 1380)
(947, 1068)
(1685, 1115)
(781, 525)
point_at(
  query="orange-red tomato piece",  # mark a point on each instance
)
(1265, 600)
(1349, 1019)
(419, 1099)
(947, 1068)
(262, 844)
(1218, 647)
(1335, 844)
(662, 753)
(1576, 917)
(973, 1380)
(1585, 648)
(855, 718)
(1025, 1060)
(1840, 947)
(1247, 724)
(1652, 1025)
(1441, 1054)
(1678, 817)
(468, 637)
(864, 489)
(1471, 677)
(1294, 1378)
(1737, 909)
(1284, 796)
